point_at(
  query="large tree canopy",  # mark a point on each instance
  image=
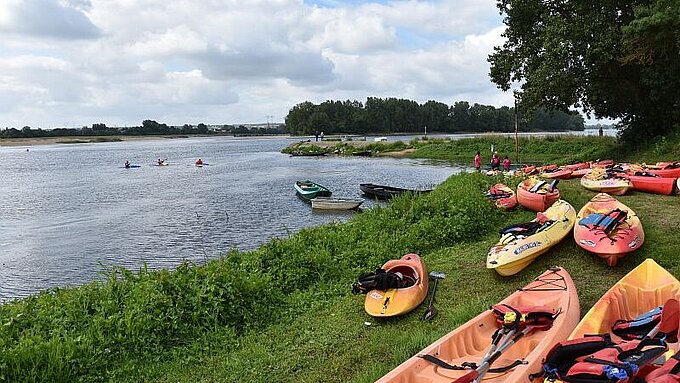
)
(613, 58)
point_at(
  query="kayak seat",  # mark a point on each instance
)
(537, 186)
(409, 276)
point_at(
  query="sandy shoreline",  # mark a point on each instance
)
(74, 140)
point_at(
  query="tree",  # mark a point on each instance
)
(613, 58)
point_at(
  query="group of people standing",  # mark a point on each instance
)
(495, 162)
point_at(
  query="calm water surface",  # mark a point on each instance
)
(68, 211)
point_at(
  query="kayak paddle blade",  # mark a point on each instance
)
(437, 275)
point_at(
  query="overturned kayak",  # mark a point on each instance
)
(536, 194)
(398, 301)
(652, 183)
(503, 197)
(521, 243)
(608, 228)
(549, 310)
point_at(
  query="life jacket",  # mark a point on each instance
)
(640, 326)
(381, 280)
(605, 222)
(669, 372)
(596, 358)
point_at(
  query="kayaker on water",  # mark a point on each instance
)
(161, 162)
(199, 162)
(127, 164)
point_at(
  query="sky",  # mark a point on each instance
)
(119, 62)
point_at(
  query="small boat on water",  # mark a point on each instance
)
(386, 192)
(331, 203)
(315, 153)
(309, 190)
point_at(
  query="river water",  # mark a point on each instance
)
(69, 211)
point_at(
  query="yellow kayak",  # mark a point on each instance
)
(398, 301)
(598, 180)
(522, 243)
(642, 289)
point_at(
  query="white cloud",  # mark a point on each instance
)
(120, 62)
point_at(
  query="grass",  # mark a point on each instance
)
(284, 312)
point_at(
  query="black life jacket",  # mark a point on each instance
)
(640, 326)
(381, 280)
(596, 358)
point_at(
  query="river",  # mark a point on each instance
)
(70, 211)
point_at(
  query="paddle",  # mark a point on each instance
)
(431, 311)
(670, 314)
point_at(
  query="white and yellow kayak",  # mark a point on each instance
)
(598, 180)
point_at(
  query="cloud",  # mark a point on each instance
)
(234, 61)
(46, 19)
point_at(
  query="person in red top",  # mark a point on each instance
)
(495, 161)
(478, 161)
(506, 164)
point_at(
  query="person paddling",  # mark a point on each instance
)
(127, 164)
(161, 162)
(199, 162)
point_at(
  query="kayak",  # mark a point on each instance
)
(552, 291)
(132, 167)
(399, 301)
(503, 196)
(608, 228)
(601, 181)
(557, 173)
(521, 243)
(601, 164)
(652, 183)
(535, 194)
(644, 288)
(578, 166)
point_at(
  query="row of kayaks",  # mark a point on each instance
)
(535, 333)
(616, 179)
(603, 226)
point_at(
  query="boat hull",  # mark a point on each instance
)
(597, 180)
(384, 192)
(330, 203)
(394, 302)
(469, 342)
(308, 190)
(656, 185)
(625, 238)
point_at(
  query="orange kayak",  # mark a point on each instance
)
(644, 288)
(608, 228)
(538, 200)
(399, 301)
(578, 166)
(561, 173)
(652, 183)
(503, 196)
(553, 290)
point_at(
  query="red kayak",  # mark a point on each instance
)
(503, 196)
(535, 194)
(602, 164)
(578, 166)
(557, 173)
(652, 183)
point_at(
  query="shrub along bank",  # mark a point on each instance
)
(87, 333)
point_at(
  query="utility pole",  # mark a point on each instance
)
(516, 130)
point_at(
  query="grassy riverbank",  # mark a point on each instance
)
(284, 311)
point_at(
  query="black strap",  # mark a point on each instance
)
(471, 365)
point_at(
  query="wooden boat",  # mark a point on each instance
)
(520, 244)
(553, 290)
(608, 228)
(331, 203)
(308, 190)
(534, 194)
(399, 301)
(503, 196)
(644, 288)
(601, 181)
(652, 183)
(386, 192)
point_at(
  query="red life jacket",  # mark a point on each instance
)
(595, 358)
(668, 373)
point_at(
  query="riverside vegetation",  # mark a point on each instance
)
(284, 312)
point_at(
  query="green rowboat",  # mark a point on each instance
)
(308, 190)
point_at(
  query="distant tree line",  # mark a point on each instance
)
(394, 115)
(148, 127)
